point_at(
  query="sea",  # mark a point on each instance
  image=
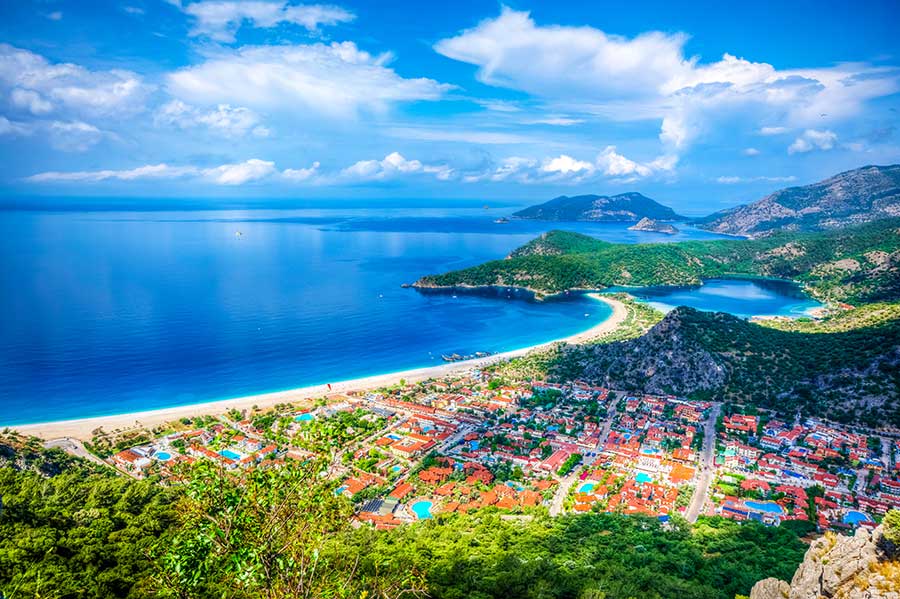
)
(114, 306)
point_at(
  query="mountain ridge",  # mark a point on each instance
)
(852, 197)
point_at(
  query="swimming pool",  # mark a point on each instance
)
(394, 436)
(514, 485)
(162, 456)
(396, 468)
(231, 455)
(340, 490)
(304, 417)
(643, 477)
(422, 509)
(855, 518)
(769, 507)
(586, 488)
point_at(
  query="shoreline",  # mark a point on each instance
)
(82, 428)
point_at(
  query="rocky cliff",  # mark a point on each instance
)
(862, 566)
(653, 226)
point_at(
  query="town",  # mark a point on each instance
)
(476, 440)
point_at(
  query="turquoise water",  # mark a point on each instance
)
(514, 485)
(340, 490)
(162, 456)
(396, 468)
(422, 509)
(855, 518)
(757, 297)
(643, 477)
(765, 506)
(227, 453)
(304, 417)
(586, 488)
(394, 436)
(113, 306)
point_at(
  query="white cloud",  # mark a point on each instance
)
(226, 174)
(8, 127)
(150, 171)
(750, 152)
(458, 134)
(393, 165)
(221, 20)
(223, 119)
(38, 87)
(558, 121)
(240, 173)
(55, 15)
(74, 136)
(613, 164)
(564, 164)
(337, 80)
(649, 76)
(301, 174)
(731, 180)
(813, 139)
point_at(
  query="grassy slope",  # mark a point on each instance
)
(858, 265)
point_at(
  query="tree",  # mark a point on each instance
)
(267, 534)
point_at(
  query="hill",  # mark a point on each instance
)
(853, 197)
(846, 368)
(624, 207)
(857, 265)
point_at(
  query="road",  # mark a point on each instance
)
(73, 447)
(562, 491)
(707, 465)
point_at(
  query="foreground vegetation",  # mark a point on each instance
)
(857, 265)
(88, 533)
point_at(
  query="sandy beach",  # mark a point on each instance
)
(82, 428)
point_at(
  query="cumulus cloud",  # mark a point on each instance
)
(221, 20)
(750, 152)
(223, 119)
(649, 76)
(337, 80)
(393, 165)
(37, 87)
(73, 136)
(301, 174)
(813, 139)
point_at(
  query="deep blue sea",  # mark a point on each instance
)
(111, 310)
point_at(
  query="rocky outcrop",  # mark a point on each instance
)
(861, 195)
(862, 566)
(653, 226)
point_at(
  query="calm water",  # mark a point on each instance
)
(109, 312)
(741, 298)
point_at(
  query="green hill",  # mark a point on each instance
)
(857, 265)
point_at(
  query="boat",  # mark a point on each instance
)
(501, 221)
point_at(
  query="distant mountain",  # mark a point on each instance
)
(653, 226)
(624, 207)
(852, 197)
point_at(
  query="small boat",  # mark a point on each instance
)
(501, 221)
(238, 234)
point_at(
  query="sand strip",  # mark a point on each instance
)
(82, 428)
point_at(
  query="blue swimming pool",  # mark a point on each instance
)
(765, 506)
(643, 477)
(340, 490)
(586, 488)
(231, 455)
(855, 518)
(304, 417)
(422, 509)
(396, 468)
(162, 456)
(514, 485)
(394, 436)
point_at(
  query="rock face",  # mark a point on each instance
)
(852, 197)
(863, 566)
(624, 207)
(653, 226)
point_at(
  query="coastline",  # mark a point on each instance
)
(82, 428)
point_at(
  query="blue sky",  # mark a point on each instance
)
(701, 106)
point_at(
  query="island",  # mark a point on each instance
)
(623, 207)
(653, 226)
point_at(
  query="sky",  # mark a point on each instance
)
(700, 105)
